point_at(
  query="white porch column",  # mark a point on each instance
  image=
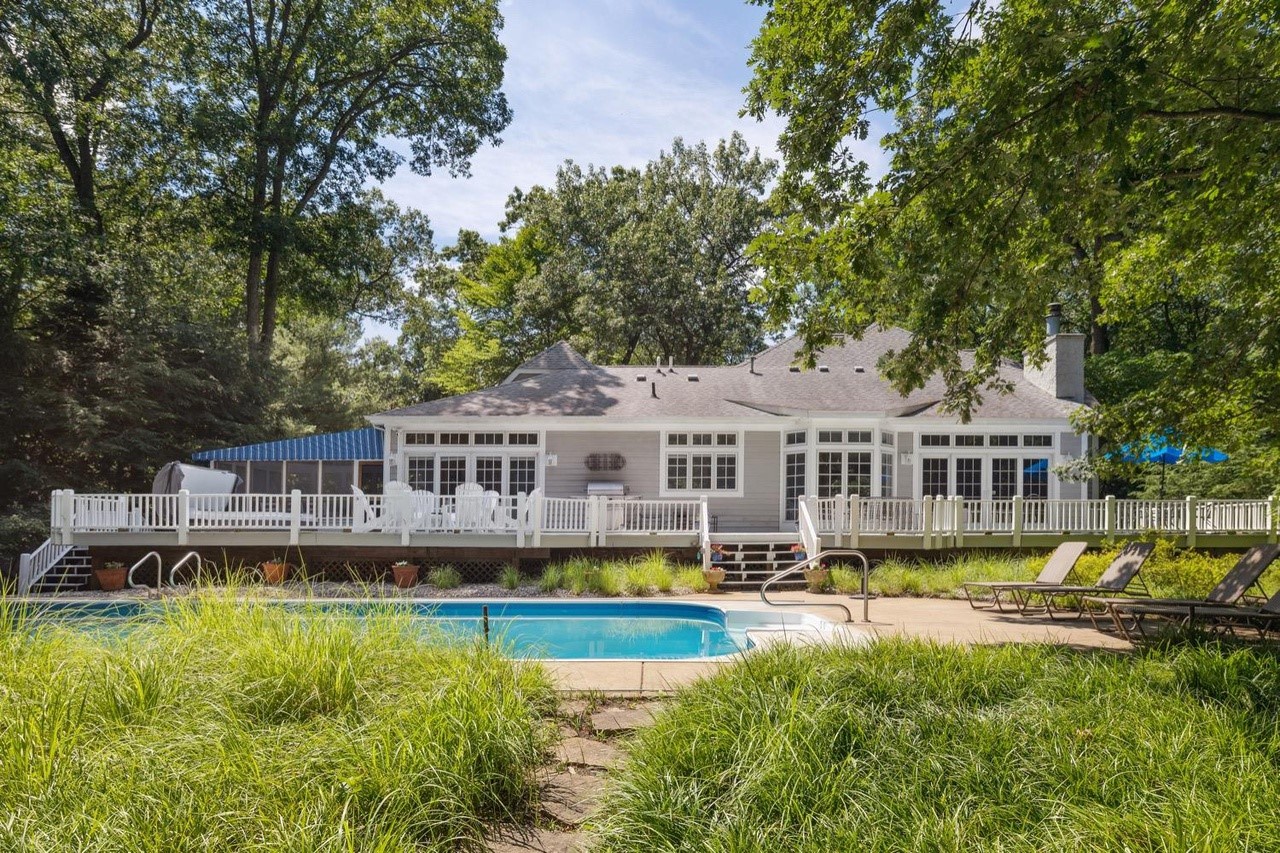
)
(1274, 511)
(855, 519)
(536, 516)
(522, 507)
(184, 516)
(66, 515)
(1110, 518)
(958, 525)
(1192, 506)
(24, 573)
(927, 521)
(1018, 520)
(295, 515)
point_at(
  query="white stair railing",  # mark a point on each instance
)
(34, 566)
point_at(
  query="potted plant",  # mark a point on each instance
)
(817, 577)
(405, 573)
(110, 576)
(274, 571)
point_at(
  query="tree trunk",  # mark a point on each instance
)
(1099, 336)
(257, 251)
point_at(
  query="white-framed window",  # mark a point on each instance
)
(443, 472)
(419, 438)
(971, 440)
(701, 462)
(793, 468)
(886, 475)
(794, 437)
(886, 438)
(843, 472)
(935, 440)
(1039, 440)
(1003, 441)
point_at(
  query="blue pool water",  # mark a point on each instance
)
(558, 630)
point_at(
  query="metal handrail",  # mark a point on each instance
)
(818, 558)
(186, 557)
(159, 570)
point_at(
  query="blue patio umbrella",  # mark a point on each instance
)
(1158, 447)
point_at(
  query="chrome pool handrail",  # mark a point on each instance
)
(185, 559)
(159, 570)
(818, 558)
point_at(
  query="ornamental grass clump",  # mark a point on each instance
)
(903, 745)
(216, 724)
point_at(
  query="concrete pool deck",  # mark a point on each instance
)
(938, 619)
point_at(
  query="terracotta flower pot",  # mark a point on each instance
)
(406, 576)
(274, 573)
(817, 579)
(713, 577)
(110, 580)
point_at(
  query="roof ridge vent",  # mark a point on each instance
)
(823, 368)
(640, 377)
(793, 369)
(859, 369)
(692, 377)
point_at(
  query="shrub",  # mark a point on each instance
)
(222, 725)
(552, 578)
(901, 745)
(444, 577)
(510, 578)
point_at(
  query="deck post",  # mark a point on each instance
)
(522, 507)
(926, 516)
(958, 524)
(184, 516)
(855, 519)
(1274, 511)
(55, 516)
(812, 502)
(1192, 504)
(1018, 520)
(24, 573)
(1110, 519)
(535, 516)
(66, 514)
(295, 515)
(595, 510)
(837, 519)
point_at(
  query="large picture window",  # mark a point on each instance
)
(701, 462)
(507, 474)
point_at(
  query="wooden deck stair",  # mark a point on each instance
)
(750, 559)
(69, 574)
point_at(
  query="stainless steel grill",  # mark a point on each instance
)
(609, 490)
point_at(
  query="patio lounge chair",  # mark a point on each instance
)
(1230, 591)
(1119, 576)
(1055, 573)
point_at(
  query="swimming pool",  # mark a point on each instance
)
(542, 629)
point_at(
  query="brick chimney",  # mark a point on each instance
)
(1062, 374)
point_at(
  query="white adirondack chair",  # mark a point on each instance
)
(364, 518)
(470, 498)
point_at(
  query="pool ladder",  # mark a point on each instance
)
(155, 555)
(817, 559)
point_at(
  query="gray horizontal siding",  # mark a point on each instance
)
(758, 508)
(569, 477)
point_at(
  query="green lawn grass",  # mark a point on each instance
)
(234, 726)
(908, 746)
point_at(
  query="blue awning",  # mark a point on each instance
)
(353, 444)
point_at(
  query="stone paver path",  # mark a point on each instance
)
(571, 784)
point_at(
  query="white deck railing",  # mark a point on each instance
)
(941, 521)
(954, 516)
(295, 513)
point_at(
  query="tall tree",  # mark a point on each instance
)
(299, 100)
(1088, 152)
(630, 265)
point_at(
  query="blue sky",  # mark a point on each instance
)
(606, 82)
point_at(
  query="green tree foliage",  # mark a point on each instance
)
(629, 265)
(166, 166)
(297, 99)
(1118, 156)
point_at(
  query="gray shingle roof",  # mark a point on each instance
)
(735, 391)
(558, 356)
